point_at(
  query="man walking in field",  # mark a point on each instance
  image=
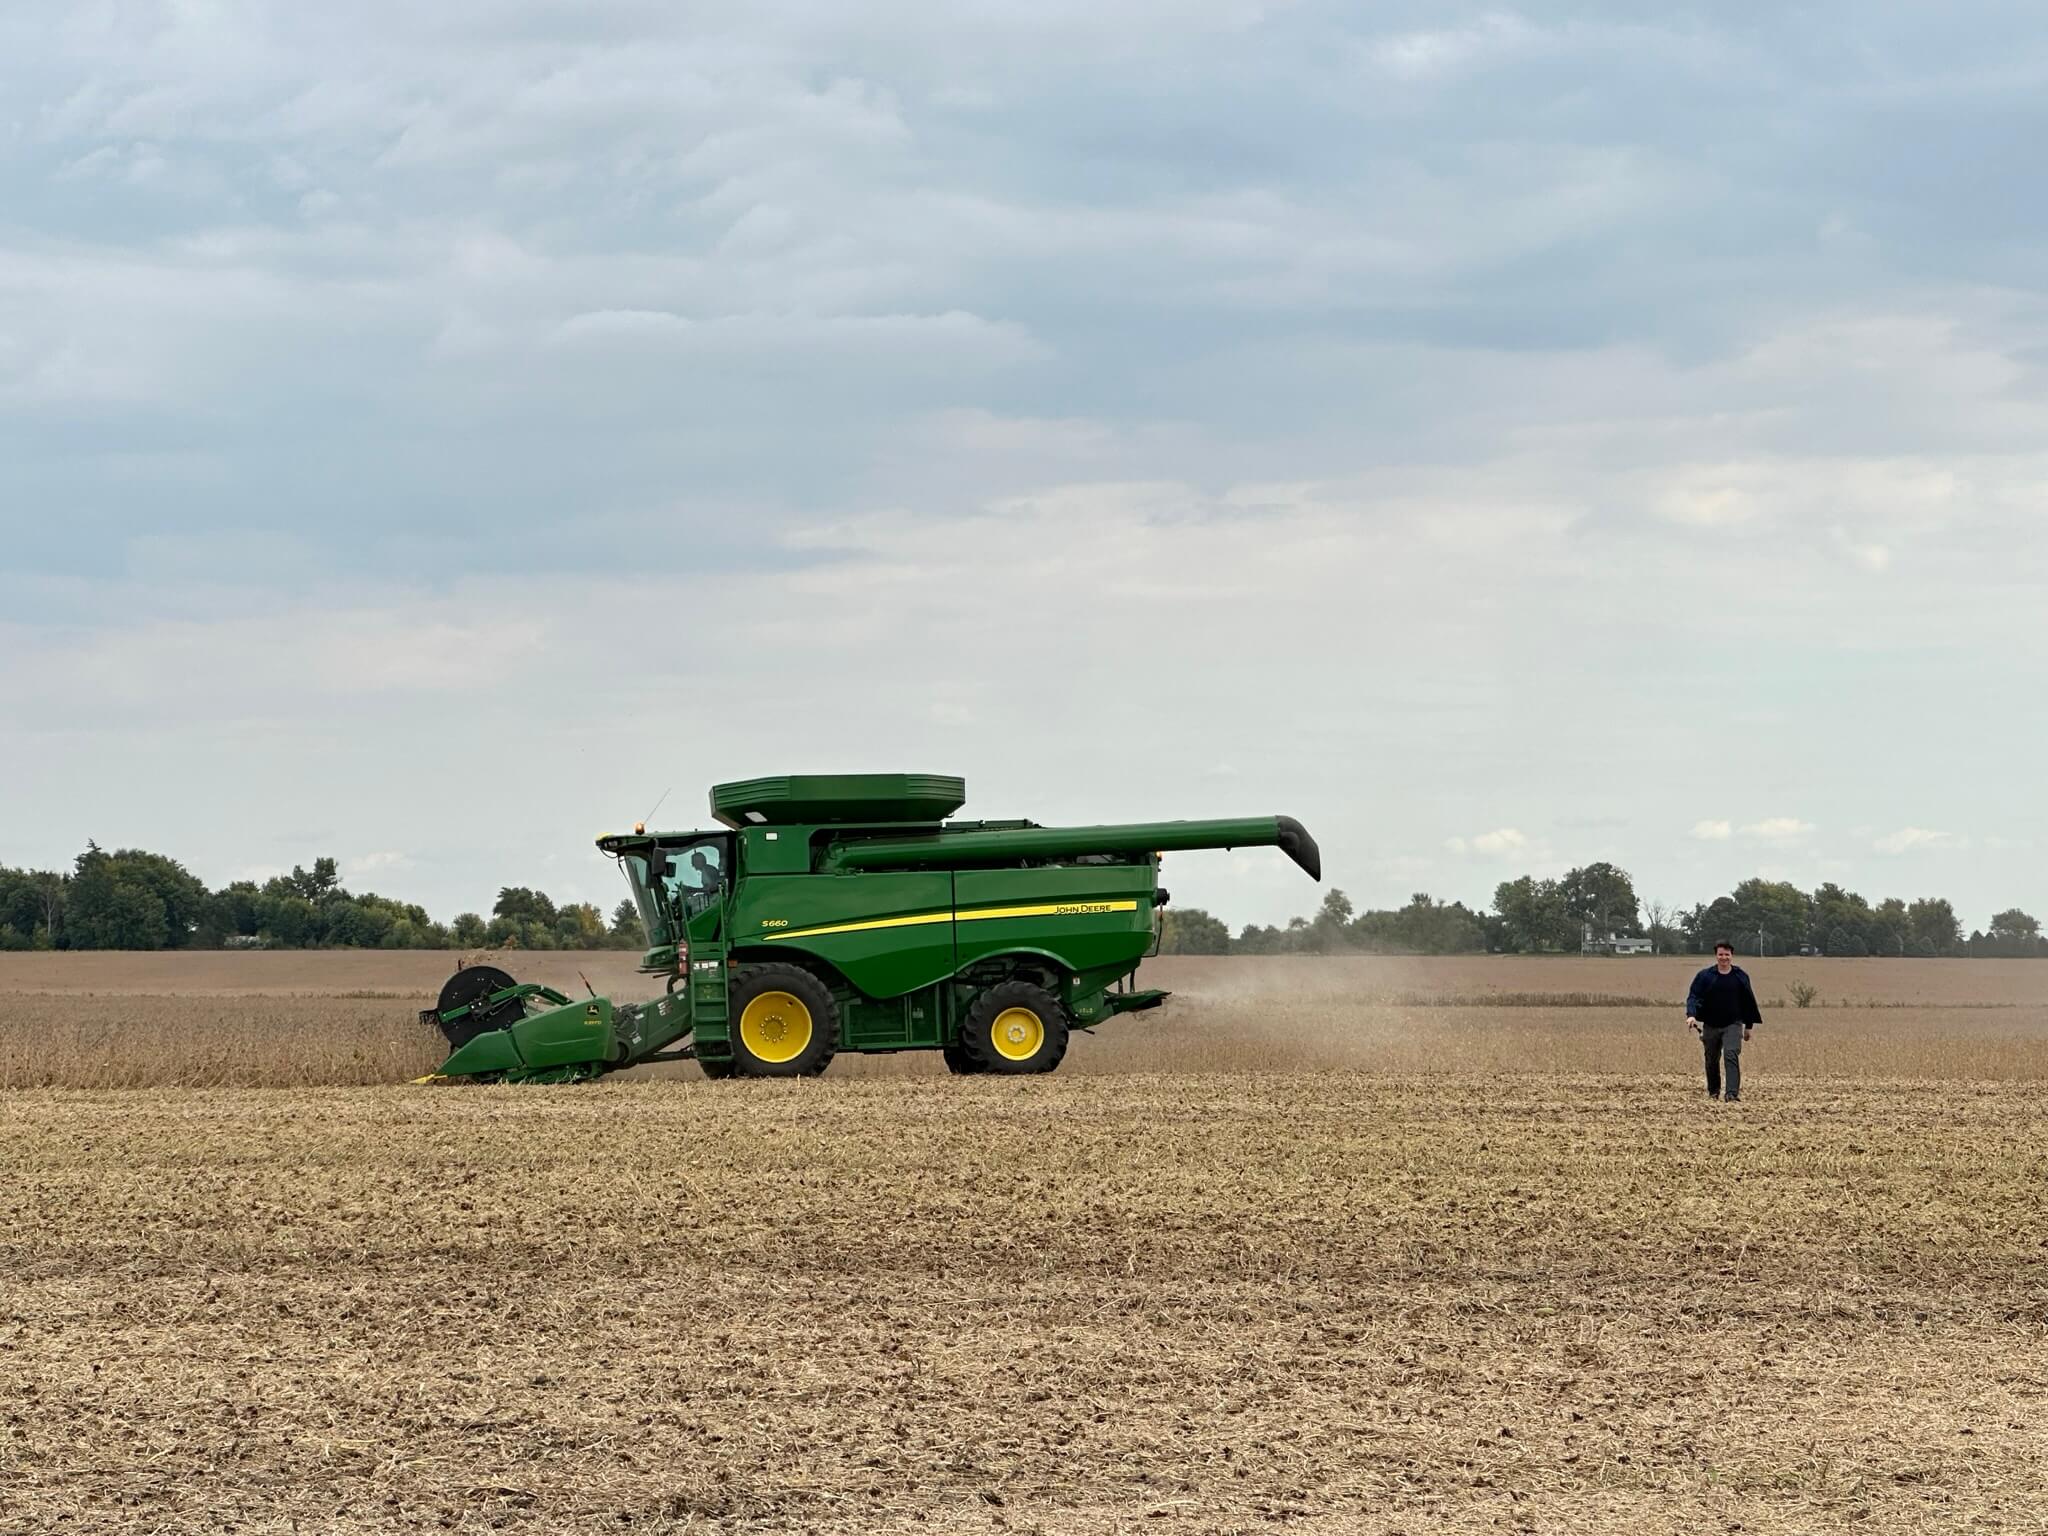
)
(1722, 1007)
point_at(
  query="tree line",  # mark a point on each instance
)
(133, 899)
(1532, 916)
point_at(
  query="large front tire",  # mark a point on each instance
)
(784, 1023)
(1014, 1029)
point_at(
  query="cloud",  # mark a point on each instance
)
(611, 324)
(1777, 829)
(177, 669)
(1870, 556)
(1429, 54)
(1495, 844)
(370, 863)
(954, 335)
(1710, 503)
(486, 372)
(1906, 839)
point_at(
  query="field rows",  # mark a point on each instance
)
(1335, 1303)
(234, 1023)
(1290, 1254)
(418, 973)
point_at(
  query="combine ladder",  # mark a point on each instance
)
(710, 1013)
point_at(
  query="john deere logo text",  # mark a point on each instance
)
(1082, 908)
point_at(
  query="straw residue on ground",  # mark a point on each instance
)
(1323, 1247)
(1325, 1303)
(337, 1019)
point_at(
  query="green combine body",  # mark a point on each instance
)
(845, 913)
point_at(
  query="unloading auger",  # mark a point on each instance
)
(844, 913)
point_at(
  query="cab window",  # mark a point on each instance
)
(695, 875)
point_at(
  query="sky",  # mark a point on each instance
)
(1501, 438)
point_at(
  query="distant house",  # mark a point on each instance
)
(1615, 944)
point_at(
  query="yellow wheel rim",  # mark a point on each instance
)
(775, 1027)
(1017, 1034)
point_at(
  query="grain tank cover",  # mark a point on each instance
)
(837, 799)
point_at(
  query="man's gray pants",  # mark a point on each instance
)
(1723, 1045)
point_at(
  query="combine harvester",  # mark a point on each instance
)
(846, 914)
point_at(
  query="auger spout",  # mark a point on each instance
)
(965, 846)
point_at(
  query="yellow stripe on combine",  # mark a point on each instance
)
(1049, 909)
(972, 915)
(880, 922)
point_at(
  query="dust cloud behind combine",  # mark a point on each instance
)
(1323, 1247)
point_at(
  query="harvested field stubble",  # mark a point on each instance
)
(93, 1021)
(1311, 1033)
(1355, 1262)
(1330, 1303)
(417, 973)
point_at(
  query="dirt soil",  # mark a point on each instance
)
(342, 1018)
(1419, 1292)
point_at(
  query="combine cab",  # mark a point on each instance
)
(830, 914)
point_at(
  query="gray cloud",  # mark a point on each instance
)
(1595, 423)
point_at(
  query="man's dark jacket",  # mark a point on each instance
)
(1718, 1001)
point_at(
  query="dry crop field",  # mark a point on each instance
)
(1325, 1246)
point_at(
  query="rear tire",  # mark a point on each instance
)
(1014, 1029)
(784, 1022)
